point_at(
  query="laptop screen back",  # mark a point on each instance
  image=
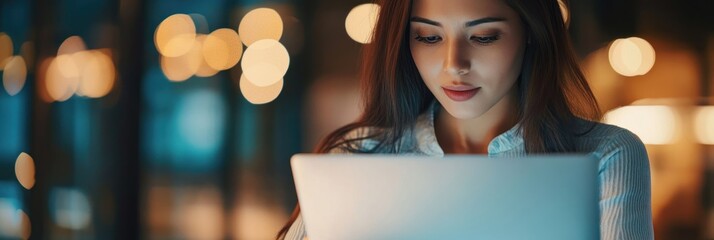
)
(454, 197)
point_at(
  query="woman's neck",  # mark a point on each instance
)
(473, 135)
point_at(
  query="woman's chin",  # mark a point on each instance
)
(462, 112)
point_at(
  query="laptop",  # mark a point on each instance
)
(453, 197)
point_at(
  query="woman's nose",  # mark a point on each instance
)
(457, 62)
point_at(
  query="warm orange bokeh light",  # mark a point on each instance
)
(178, 69)
(260, 23)
(204, 70)
(62, 78)
(41, 89)
(222, 49)
(71, 45)
(259, 95)
(6, 49)
(655, 125)
(631, 56)
(175, 36)
(265, 62)
(360, 22)
(25, 170)
(97, 74)
(704, 125)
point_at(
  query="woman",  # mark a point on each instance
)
(496, 77)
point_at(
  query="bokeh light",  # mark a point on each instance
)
(14, 75)
(25, 170)
(200, 120)
(204, 70)
(70, 208)
(175, 36)
(259, 24)
(259, 95)
(62, 78)
(265, 62)
(360, 22)
(6, 49)
(631, 56)
(71, 45)
(652, 124)
(42, 74)
(97, 74)
(222, 49)
(704, 125)
(180, 68)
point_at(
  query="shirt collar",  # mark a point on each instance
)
(427, 143)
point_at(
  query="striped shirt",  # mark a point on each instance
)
(624, 173)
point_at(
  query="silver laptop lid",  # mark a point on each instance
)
(454, 197)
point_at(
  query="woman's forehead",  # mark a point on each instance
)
(466, 10)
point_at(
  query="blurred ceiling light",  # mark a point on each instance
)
(265, 62)
(704, 125)
(14, 76)
(204, 70)
(178, 69)
(71, 208)
(175, 36)
(222, 49)
(97, 76)
(62, 78)
(25, 170)
(652, 124)
(259, 24)
(6, 49)
(631, 56)
(71, 45)
(259, 95)
(360, 22)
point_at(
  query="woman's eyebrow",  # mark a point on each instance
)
(467, 24)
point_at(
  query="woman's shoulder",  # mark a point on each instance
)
(608, 141)
(607, 132)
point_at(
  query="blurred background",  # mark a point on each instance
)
(176, 119)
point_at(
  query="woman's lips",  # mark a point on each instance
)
(460, 93)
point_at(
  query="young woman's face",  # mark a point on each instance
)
(468, 52)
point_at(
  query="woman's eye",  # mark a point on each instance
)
(428, 39)
(485, 40)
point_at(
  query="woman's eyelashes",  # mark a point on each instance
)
(485, 40)
(434, 39)
(428, 39)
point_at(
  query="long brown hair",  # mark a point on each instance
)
(552, 90)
